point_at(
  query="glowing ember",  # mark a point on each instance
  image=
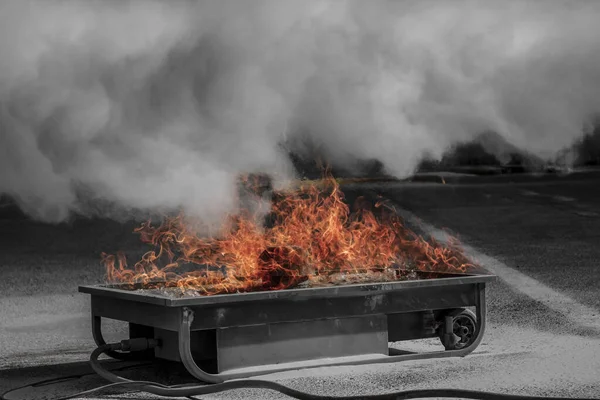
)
(313, 240)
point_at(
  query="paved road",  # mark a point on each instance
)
(547, 229)
(539, 235)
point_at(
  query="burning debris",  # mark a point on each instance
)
(310, 239)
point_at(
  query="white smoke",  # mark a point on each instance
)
(157, 105)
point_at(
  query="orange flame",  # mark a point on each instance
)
(313, 239)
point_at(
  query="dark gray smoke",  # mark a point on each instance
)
(157, 105)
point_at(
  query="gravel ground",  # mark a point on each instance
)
(510, 360)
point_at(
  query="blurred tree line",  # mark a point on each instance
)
(487, 153)
(588, 147)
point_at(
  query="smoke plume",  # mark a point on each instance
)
(158, 105)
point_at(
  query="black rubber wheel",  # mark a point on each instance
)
(465, 329)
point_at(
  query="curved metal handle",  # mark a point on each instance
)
(185, 350)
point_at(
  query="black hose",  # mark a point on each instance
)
(246, 384)
(64, 378)
(108, 375)
(197, 390)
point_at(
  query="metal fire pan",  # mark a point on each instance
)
(441, 280)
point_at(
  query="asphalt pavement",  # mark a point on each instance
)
(548, 229)
(540, 235)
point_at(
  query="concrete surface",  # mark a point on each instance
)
(542, 337)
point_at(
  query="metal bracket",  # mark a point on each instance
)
(429, 324)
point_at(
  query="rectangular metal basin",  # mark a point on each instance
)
(236, 335)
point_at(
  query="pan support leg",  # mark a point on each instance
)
(185, 350)
(481, 313)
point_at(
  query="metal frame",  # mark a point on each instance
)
(185, 315)
(445, 279)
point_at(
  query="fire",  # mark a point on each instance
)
(313, 239)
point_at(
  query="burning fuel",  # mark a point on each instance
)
(310, 239)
